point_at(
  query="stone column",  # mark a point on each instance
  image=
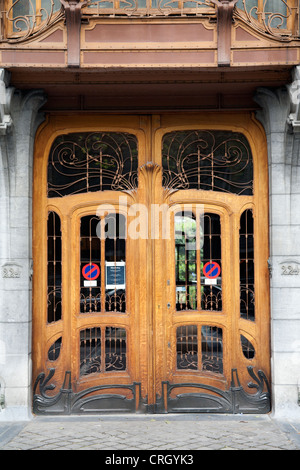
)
(20, 117)
(277, 116)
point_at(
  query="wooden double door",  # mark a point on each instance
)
(150, 247)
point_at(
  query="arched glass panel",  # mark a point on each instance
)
(207, 160)
(98, 161)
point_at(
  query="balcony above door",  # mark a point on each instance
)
(147, 34)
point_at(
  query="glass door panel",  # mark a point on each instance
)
(170, 322)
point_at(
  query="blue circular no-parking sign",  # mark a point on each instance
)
(211, 270)
(90, 271)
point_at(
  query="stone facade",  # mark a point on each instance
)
(20, 118)
(279, 117)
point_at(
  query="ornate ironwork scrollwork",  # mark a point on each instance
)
(25, 20)
(207, 160)
(66, 401)
(97, 161)
(234, 400)
(276, 21)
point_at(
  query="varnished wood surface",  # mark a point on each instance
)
(151, 317)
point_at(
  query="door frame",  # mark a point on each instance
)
(148, 382)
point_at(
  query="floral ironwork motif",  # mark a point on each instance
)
(207, 160)
(24, 19)
(91, 347)
(98, 161)
(211, 358)
(233, 400)
(94, 399)
(151, 8)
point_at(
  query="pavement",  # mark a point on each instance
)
(151, 438)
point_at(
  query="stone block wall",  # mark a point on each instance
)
(20, 112)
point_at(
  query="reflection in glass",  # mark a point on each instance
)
(211, 286)
(96, 161)
(115, 263)
(90, 265)
(91, 350)
(207, 160)
(185, 261)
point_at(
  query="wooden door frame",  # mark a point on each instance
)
(150, 129)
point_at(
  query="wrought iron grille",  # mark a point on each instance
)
(187, 347)
(26, 18)
(211, 289)
(277, 18)
(247, 284)
(115, 349)
(96, 358)
(186, 262)
(212, 349)
(207, 160)
(90, 351)
(194, 250)
(23, 19)
(200, 351)
(54, 270)
(90, 256)
(151, 7)
(98, 161)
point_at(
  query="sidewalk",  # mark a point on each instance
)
(156, 433)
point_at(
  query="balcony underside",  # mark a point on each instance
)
(149, 91)
(147, 64)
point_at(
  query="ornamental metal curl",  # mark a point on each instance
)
(207, 160)
(204, 398)
(90, 400)
(98, 161)
(24, 20)
(234, 400)
(263, 17)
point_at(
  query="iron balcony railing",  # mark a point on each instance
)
(21, 19)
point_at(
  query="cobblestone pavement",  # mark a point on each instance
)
(151, 433)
